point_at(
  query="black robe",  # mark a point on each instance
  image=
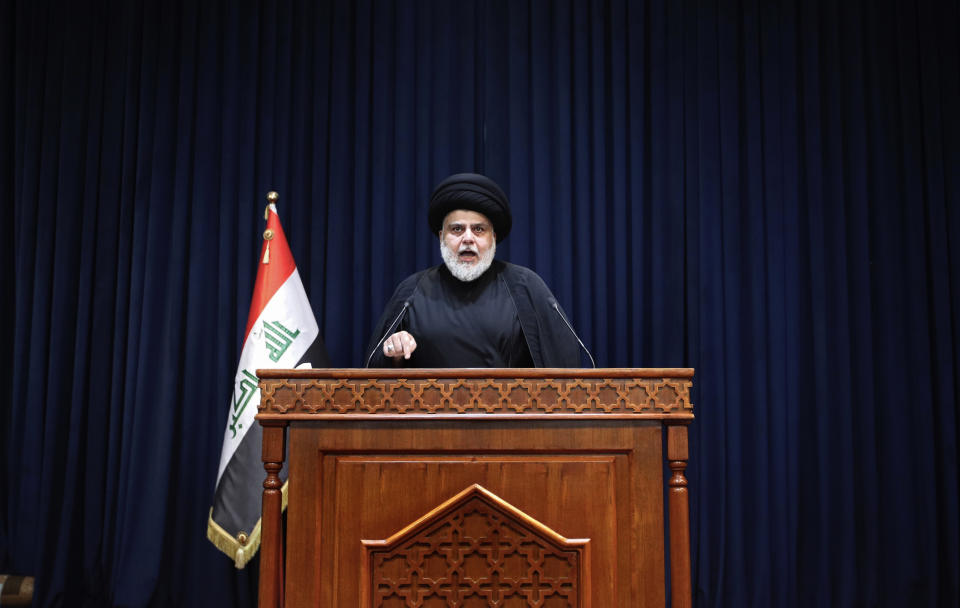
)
(526, 299)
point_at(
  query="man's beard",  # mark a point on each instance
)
(467, 271)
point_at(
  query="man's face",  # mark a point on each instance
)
(468, 243)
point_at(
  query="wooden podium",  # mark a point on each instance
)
(475, 487)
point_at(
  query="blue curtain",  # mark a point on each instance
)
(766, 191)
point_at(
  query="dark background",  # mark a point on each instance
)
(765, 191)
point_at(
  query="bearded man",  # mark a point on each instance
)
(472, 310)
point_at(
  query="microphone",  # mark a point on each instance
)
(390, 329)
(556, 307)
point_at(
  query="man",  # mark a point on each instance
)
(472, 310)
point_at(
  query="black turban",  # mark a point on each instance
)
(474, 193)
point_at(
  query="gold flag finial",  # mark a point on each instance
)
(272, 198)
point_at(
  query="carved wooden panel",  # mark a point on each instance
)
(371, 450)
(455, 397)
(476, 550)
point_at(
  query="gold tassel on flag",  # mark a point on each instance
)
(281, 331)
(272, 198)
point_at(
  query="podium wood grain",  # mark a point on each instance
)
(580, 455)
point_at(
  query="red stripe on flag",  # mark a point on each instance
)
(274, 273)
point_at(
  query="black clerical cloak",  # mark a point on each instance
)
(523, 298)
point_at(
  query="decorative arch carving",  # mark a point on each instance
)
(476, 549)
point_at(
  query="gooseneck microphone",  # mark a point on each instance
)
(556, 307)
(390, 329)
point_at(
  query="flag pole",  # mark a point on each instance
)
(281, 332)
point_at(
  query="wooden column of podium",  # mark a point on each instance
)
(481, 487)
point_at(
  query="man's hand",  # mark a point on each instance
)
(400, 344)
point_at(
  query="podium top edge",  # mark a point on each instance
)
(518, 372)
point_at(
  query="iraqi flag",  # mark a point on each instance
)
(281, 333)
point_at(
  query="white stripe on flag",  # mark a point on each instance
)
(281, 335)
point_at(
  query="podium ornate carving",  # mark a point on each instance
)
(473, 479)
(357, 396)
(475, 549)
